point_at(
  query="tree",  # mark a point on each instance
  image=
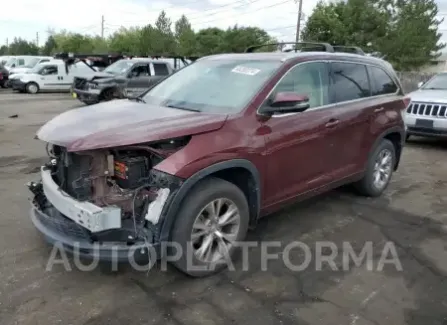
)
(163, 40)
(20, 46)
(185, 36)
(405, 31)
(50, 46)
(3, 50)
(413, 39)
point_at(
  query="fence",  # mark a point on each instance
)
(410, 80)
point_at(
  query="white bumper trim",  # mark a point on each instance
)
(86, 214)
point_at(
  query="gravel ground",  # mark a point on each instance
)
(412, 215)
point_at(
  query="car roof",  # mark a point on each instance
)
(289, 56)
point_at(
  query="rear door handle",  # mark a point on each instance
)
(377, 110)
(332, 123)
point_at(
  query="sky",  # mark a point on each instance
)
(36, 17)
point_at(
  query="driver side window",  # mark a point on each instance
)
(51, 70)
(308, 79)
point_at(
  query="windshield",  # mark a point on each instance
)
(119, 67)
(37, 68)
(32, 63)
(215, 86)
(10, 62)
(437, 82)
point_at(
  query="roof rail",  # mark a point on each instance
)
(348, 49)
(308, 46)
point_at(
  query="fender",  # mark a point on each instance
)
(170, 211)
(394, 129)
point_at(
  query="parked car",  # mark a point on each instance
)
(19, 61)
(426, 114)
(4, 77)
(124, 78)
(201, 156)
(51, 76)
(30, 63)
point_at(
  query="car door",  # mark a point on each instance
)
(49, 78)
(296, 150)
(348, 118)
(139, 78)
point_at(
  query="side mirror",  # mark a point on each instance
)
(420, 84)
(287, 102)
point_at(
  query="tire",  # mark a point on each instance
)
(32, 88)
(367, 186)
(107, 95)
(205, 192)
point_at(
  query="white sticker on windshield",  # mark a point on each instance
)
(245, 70)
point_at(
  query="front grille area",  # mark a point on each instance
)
(80, 83)
(428, 109)
(72, 174)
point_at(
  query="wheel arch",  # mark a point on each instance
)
(397, 137)
(235, 171)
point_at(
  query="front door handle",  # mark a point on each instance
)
(332, 123)
(377, 110)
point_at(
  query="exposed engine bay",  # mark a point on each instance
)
(120, 177)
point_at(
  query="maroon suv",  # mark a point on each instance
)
(202, 155)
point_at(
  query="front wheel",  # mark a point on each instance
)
(213, 218)
(32, 88)
(379, 170)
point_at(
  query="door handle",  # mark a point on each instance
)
(377, 110)
(332, 123)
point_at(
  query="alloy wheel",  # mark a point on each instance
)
(382, 168)
(215, 230)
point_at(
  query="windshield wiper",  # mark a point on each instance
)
(137, 99)
(184, 108)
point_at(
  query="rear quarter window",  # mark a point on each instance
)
(161, 69)
(381, 82)
(349, 82)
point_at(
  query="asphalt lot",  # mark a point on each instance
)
(412, 215)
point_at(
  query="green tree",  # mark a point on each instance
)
(185, 37)
(413, 38)
(22, 47)
(163, 40)
(237, 39)
(210, 41)
(50, 46)
(3, 50)
(126, 40)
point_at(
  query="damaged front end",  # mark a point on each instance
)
(112, 200)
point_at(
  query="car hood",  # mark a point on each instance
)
(429, 95)
(19, 70)
(124, 122)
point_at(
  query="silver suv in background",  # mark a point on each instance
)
(426, 115)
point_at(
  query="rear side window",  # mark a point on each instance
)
(381, 82)
(160, 69)
(349, 82)
(21, 62)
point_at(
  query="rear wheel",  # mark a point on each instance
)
(32, 88)
(212, 219)
(379, 170)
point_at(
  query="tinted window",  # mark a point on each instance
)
(160, 69)
(381, 83)
(310, 79)
(437, 82)
(350, 81)
(21, 62)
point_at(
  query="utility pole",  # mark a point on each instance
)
(298, 23)
(102, 26)
(37, 39)
(7, 45)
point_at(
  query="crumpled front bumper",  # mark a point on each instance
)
(80, 227)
